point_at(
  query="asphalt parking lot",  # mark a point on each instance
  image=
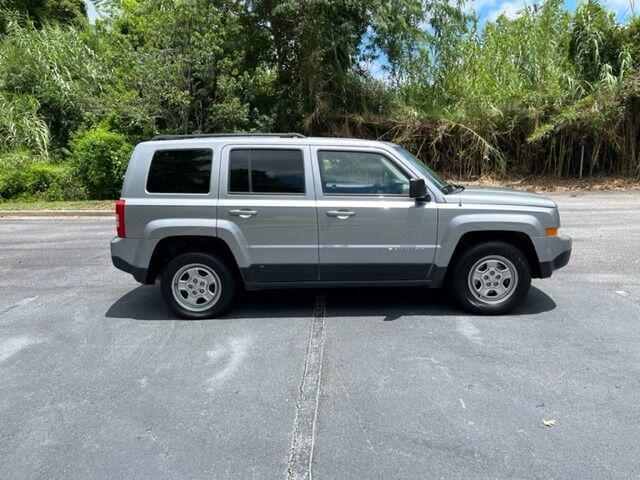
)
(99, 381)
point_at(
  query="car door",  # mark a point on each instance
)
(266, 209)
(369, 230)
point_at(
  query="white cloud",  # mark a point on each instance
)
(479, 5)
(509, 8)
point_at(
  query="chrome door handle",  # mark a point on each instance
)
(243, 213)
(341, 214)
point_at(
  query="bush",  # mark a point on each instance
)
(37, 180)
(99, 159)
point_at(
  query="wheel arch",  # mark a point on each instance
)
(520, 240)
(169, 247)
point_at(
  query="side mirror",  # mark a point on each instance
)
(418, 189)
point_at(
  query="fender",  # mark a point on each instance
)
(169, 227)
(453, 229)
(157, 230)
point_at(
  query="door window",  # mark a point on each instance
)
(266, 171)
(360, 173)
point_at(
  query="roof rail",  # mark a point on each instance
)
(214, 135)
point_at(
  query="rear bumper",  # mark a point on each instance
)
(140, 274)
(561, 253)
(128, 254)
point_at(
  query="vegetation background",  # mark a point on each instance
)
(535, 95)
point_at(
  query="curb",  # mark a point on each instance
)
(54, 213)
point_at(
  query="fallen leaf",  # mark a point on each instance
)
(549, 423)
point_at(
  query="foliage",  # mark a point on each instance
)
(41, 12)
(37, 180)
(99, 159)
(527, 95)
(21, 126)
(55, 70)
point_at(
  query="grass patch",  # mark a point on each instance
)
(62, 205)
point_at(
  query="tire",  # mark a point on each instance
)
(491, 278)
(208, 276)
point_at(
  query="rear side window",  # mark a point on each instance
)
(180, 171)
(266, 171)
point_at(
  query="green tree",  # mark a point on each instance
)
(185, 63)
(69, 12)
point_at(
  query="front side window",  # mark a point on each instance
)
(180, 171)
(254, 170)
(360, 173)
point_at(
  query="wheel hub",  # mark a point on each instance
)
(196, 287)
(493, 279)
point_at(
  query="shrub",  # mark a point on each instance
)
(38, 180)
(99, 159)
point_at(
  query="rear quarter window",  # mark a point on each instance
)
(180, 171)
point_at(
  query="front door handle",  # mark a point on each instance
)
(243, 213)
(341, 214)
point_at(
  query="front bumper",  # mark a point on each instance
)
(559, 252)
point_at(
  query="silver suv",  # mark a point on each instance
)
(209, 214)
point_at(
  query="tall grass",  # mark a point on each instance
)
(528, 96)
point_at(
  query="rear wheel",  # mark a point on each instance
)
(198, 285)
(491, 278)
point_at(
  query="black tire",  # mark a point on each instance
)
(227, 281)
(466, 262)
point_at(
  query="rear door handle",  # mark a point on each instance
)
(243, 213)
(341, 214)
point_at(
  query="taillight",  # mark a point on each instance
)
(120, 219)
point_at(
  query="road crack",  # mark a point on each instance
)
(300, 462)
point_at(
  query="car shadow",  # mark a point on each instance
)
(400, 302)
(145, 303)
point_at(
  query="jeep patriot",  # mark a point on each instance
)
(210, 214)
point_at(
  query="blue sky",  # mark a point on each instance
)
(491, 9)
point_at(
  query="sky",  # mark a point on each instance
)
(491, 9)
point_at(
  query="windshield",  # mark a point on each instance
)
(415, 161)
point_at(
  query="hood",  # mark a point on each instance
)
(500, 196)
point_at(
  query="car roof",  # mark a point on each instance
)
(284, 139)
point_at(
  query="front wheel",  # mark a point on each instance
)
(197, 285)
(491, 278)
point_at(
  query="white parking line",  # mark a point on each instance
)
(301, 453)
